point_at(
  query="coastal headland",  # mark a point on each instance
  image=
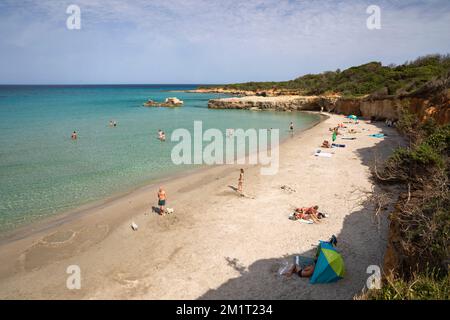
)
(425, 106)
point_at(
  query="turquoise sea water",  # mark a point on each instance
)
(44, 172)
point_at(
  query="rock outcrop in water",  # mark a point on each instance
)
(281, 103)
(169, 102)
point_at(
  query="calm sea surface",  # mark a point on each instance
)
(43, 172)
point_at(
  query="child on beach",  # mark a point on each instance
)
(326, 144)
(241, 181)
(161, 200)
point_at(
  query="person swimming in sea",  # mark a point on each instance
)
(74, 135)
(230, 133)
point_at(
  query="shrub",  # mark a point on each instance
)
(424, 156)
(422, 216)
(369, 78)
(439, 140)
(424, 286)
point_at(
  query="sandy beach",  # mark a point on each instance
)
(217, 245)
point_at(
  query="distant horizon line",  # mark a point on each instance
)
(113, 84)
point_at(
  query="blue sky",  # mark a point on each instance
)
(209, 41)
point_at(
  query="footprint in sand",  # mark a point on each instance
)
(58, 238)
(61, 245)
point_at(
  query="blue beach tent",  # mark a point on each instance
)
(329, 266)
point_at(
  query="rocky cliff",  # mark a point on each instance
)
(428, 104)
(261, 93)
(280, 103)
(437, 107)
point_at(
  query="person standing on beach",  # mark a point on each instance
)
(74, 136)
(241, 181)
(161, 200)
(334, 135)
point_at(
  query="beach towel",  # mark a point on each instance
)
(337, 145)
(323, 154)
(377, 135)
(293, 217)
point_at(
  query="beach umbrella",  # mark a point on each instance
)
(329, 266)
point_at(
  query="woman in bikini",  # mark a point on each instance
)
(310, 213)
(241, 181)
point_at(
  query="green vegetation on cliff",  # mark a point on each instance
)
(420, 224)
(370, 78)
(421, 286)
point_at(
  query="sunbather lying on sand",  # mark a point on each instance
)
(326, 144)
(306, 272)
(310, 213)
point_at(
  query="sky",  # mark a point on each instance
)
(209, 41)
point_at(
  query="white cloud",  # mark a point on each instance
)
(215, 40)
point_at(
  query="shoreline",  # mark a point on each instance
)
(216, 244)
(68, 215)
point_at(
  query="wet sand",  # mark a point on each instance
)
(216, 244)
